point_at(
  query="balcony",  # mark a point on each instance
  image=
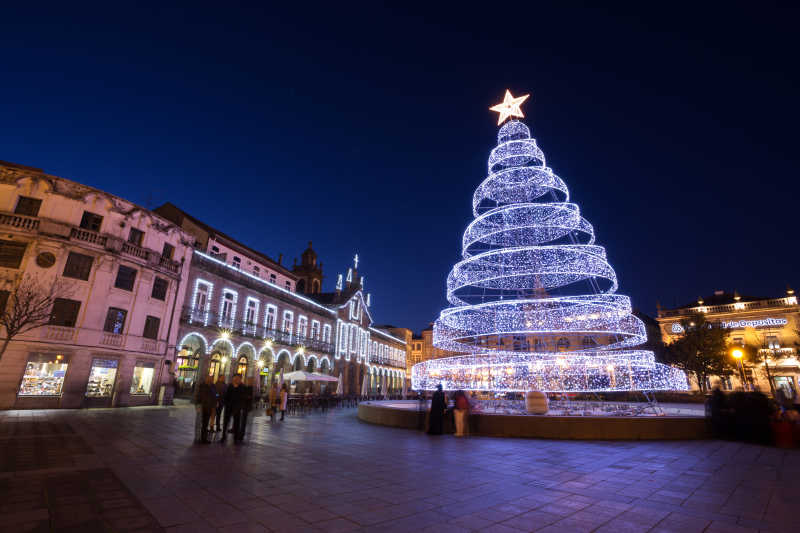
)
(200, 318)
(375, 360)
(773, 303)
(74, 233)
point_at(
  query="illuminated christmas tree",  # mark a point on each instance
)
(533, 300)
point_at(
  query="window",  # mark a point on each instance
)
(288, 318)
(142, 382)
(135, 237)
(772, 342)
(251, 315)
(28, 206)
(288, 285)
(273, 278)
(563, 344)
(237, 262)
(91, 221)
(11, 253)
(115, 320)
(272, 313)
(160, 286)
(315, 329)
(241, 368)
(4, 300)
(168, 251)
(256, 271)
(726, 383)
(44, 375)
(302, 326)
(151, 326)
(101, 378)
(126, 277)
(78, 266)
(326, 333)
(739, 341)
(201, 293)
(589, 342)
(65, 312)
(227, 308)
(215, 249)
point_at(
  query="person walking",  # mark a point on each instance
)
(438, 407)
(221, 389)
(274, 401)
(461, 413)
(235, 399)
(206, 404)
(284, 400)
(248, 406)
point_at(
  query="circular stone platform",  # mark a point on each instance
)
(407, 414)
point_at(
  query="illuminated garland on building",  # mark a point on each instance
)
(531, 278)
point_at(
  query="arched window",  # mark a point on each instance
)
(315, 287)
(563, 344)
(241, 368)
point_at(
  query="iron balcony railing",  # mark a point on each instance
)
(237, 326)
(788, 301)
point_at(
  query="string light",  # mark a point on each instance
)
(531, 271)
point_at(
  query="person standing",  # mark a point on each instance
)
(461, 412)
(206, 403)
(438, 407)
(274, 401)
(221, 389)
(248, 406)
(235, 399)
(284, 399)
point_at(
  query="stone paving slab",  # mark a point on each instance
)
(138, 468)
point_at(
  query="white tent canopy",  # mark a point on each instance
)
(299, 375)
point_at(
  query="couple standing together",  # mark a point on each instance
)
(461, 408)
(236, 399)
(277, 400)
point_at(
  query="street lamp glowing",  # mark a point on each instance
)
(225, 335)
(737, 354)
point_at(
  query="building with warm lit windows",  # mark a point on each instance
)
(770, 325)
(242, 314)
(116, 272)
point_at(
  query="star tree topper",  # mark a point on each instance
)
(509, 107)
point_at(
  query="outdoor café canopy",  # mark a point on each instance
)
(299, 375)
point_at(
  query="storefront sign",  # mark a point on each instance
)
(741, 324)
(763, 323)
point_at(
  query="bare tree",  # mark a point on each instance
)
(28, 307)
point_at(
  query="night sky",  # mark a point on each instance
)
(367, 129)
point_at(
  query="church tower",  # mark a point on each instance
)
(309, 272)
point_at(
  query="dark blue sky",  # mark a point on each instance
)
(367, 130)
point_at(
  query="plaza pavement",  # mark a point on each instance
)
(137, 470)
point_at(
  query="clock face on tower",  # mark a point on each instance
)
(45, 260)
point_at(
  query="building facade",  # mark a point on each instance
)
(116, 274)
(769, 325)
(245, 313)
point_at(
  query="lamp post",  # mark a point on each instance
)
(737, 354)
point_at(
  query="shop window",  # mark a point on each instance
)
(726, 383)
(115, 320)
(151, 326)
(101, 378)
(136, 237)
(160, 286)
(65, 312)
(11, 253)
(4, 300)
(44, 375)
(786, 385)
(28, 206)
(562, 344)
(168, 251)
(91, 221)
(126, 277)
(142, 381)
(78, 266)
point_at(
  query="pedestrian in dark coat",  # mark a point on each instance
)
(248, 406)
(235, 401)
(206, 403)
(221, 388)
(438, 407)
